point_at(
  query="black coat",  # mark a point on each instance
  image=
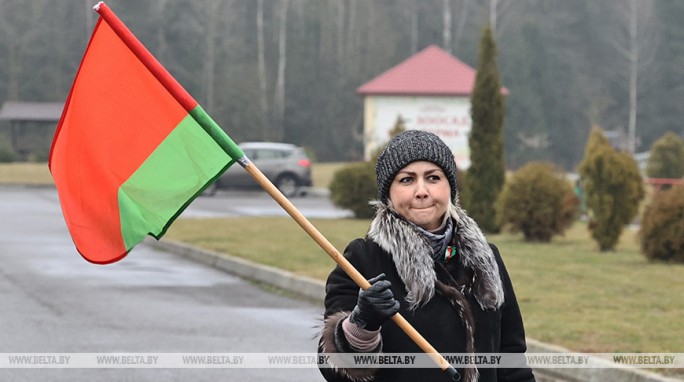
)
(442, 320)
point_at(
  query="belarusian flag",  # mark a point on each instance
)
(132, 148)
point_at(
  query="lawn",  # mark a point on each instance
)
(570, 294)
(38, 173)
(25, 173)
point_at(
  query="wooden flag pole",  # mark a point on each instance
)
(341, 261)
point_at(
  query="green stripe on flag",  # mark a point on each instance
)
(170, 178)
(213, 129)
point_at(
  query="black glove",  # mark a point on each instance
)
(375, 304)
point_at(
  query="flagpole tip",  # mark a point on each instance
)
(97, 6)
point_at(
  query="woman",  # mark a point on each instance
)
(428, 260)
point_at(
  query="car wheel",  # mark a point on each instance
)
(288, 185)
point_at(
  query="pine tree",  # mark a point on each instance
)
(667, 157)
(486, 174)
(613, 187)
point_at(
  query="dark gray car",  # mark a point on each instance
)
(284, 164)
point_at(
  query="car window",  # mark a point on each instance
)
(250, 153)
(271, 154)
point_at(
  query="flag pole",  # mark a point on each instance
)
(348, 268)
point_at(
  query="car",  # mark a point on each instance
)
(286, 165)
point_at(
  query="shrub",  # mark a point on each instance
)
(662, 226)
(352, 187)
(39, 157)
(613, 189)
(6, 154)
(538, 202)
(667, 157)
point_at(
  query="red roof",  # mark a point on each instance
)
(432, 71)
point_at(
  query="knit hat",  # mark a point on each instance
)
(412, 146)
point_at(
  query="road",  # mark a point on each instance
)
(53, 301)
(259, 203)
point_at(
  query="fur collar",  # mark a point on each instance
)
(412, 256)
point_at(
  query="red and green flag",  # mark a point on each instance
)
(132, 147)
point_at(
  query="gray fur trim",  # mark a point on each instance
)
(412, 255)
(330, 345)
(477, 255)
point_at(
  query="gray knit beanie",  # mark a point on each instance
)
(412, 146)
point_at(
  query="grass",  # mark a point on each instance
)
(38, 173)
(577, 297)
(287, 246)
(570, 294)
(25, 173)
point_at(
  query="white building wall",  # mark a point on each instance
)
(447, 117)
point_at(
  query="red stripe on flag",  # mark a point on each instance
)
(116, 114)
(144, 55)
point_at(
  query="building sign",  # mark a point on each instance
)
(447, 117)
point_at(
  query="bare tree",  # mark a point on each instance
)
(412, 9)
(460, 25)
(162, 46)
(633, 73)
(492, 15)
(339, 23)
(501, 14)
(18, 29)
(261, 66)
(446, 25)
(279, 93)
(212, 18)
(635, 41)
(352, 42)
(90, 16)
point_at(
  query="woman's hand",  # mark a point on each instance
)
(375, 304)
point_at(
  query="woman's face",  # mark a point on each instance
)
(420, 193)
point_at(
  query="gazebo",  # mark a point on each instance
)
(31, 125)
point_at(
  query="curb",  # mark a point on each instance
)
(610, 372)
(315, 290)
(318, 192)
(23, 186)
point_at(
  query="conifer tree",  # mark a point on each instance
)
(486, 174)
(667, 157)
(613, 187)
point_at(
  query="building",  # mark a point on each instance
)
(31, 127)
(430, 91)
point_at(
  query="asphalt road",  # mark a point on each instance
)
(259, 203)
(53, 301)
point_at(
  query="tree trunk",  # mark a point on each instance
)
(352, 45)
(162, 46)
(212, 17)
(460, 26)
(492, 15)
(633, 72)
(89, 18)
(279, 94)
(339, 38)
(261, 67)
(446, 25)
